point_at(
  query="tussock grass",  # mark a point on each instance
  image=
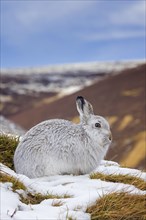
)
(119, 206)
(126, 179)
(8, 145)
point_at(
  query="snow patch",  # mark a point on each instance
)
(82, 190)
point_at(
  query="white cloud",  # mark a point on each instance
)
(121, 23)
(21, 19)
(24, 19)
(49, 12)
(113, 34)
(134, 14)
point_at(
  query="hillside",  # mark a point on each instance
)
(24, 88)
(120, 98)
(8, 127)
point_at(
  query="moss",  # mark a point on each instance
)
(117, 206)
(8, 145)
(126, 179)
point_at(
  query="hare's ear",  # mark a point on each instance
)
(84, 108)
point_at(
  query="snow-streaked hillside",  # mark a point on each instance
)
(8, 127)
(56, 78)
(76, 68)
(80, 192)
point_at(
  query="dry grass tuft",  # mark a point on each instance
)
(126, 179)
(119, 206)
(16, 184)
(38, 198)
(8, 145)
(57, 203)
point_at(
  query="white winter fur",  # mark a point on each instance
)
(61, 147)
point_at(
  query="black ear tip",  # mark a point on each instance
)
(80, 97)
(81, 102)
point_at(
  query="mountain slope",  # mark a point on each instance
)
(119, 97)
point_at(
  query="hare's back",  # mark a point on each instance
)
(50, 130)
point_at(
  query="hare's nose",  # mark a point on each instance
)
(110, 136)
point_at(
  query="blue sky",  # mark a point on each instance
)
(37, 33)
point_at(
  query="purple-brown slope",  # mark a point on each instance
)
(121, 98)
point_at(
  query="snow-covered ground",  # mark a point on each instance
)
(83, 191)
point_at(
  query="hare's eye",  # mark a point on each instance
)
(97, 125)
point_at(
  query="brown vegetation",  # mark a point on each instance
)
(119, 206)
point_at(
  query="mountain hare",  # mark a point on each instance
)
(59, 146)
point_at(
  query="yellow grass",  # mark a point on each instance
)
(76, 119)
(126, 179)
(49, 100)
(112, 119)
(125, 122)
(16, 184)
(138, 153)
(119, 206)
(37, 198)
(132, 92)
